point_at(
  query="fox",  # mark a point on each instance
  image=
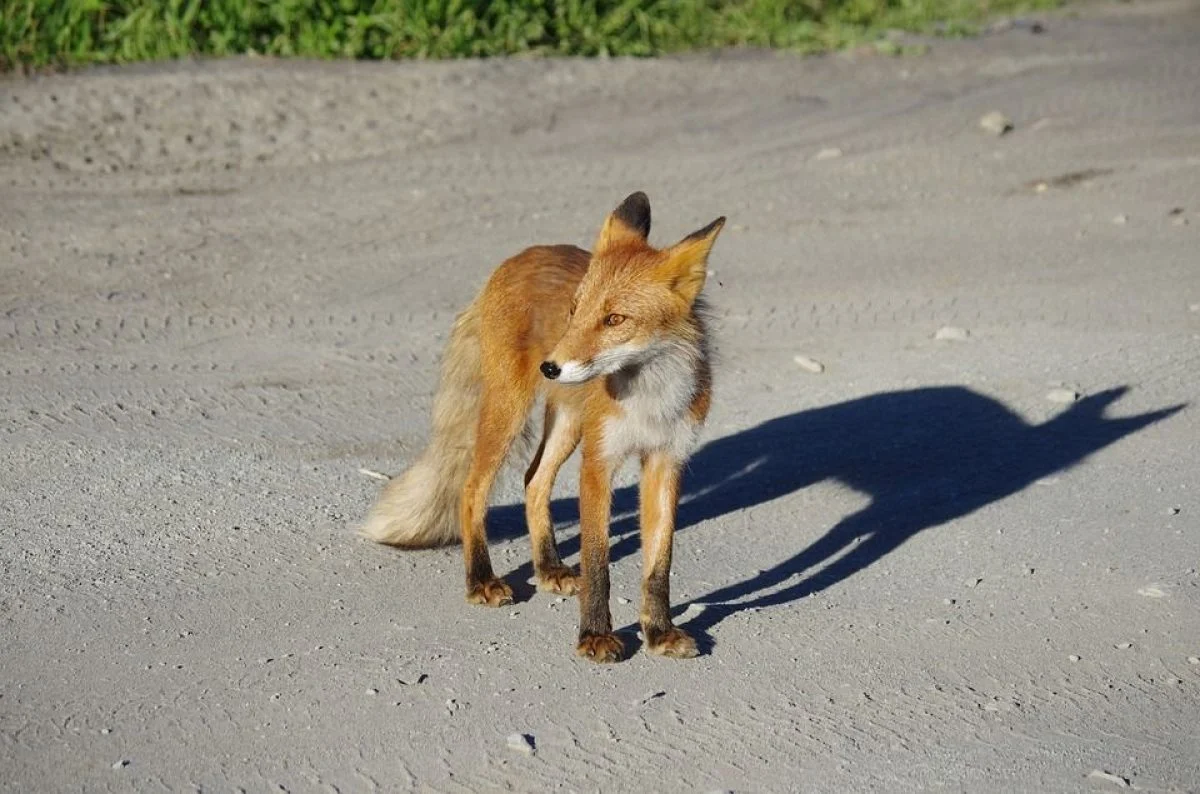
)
(616, 341)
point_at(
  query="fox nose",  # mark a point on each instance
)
(550, 369)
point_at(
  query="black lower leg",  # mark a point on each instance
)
(656, 605)
(594, 617)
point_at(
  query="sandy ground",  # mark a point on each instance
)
(224, 289)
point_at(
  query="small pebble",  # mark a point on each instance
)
(832, 153)
(1120, 220)
(623, 600)
(124, 762)
(1124, 646)
(1195, 307)
(522, 743)
(1172, 511)
(105, 731)
(996, 123)
(951, 333)
(1194, 660)
(1062, 396)
(809, 364)
(973, 582)
(372, 691)
(1074, 657)
(948, 602)
(1109, 777)
(1151, 591)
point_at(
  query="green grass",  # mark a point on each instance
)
(55, 33)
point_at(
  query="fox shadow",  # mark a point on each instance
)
(922, 456)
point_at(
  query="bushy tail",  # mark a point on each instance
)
(419, 509)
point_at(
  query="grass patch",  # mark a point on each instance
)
(42, 33)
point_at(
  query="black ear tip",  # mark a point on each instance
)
(635, 212)
(707, 231)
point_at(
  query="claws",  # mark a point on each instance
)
(492, 593)
(674, 643)
(602, 648)
(559, 579)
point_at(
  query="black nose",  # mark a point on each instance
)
(551, 370)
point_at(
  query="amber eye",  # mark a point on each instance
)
(614, 319)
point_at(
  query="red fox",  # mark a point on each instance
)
(616, 340)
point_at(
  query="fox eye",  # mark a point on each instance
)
(614, 319)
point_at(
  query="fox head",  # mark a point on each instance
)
(634, 300)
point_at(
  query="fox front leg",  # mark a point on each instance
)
(596, 638)
(659, 497)
(561, 437)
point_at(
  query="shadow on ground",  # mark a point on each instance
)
(923, 457)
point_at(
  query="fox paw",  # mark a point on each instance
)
(674, 643)
(602, 648)
(558, 579)
(492, 593)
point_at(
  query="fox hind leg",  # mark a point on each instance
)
(500, 420)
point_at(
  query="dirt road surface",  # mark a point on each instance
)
(959, 563)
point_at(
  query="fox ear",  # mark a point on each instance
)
(628, 222)
(687, 261)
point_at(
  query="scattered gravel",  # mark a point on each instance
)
(521, 743)
(996, 123)
(1108, 777)
(809, 364)
(1062, 396)
(951, 333)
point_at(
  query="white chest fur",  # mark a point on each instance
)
(654, 400)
